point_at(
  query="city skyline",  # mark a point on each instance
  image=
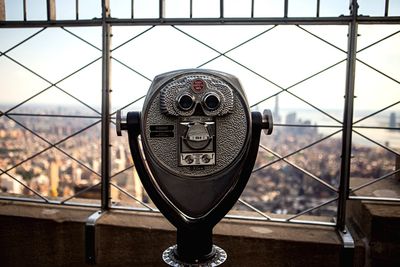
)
(81, 169)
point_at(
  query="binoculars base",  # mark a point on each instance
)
(169, 257)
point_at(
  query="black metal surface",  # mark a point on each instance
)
(341, 20)
(194, 245)
(194, 235)
(90, 237)
(347, 120)
(347, 253)
(105, 110)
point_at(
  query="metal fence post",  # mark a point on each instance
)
(51, 10)
(161, 9)
(2, 11)
(397, 167)
(90, 226)
(347, 254)
(348, 118)
(105, 107)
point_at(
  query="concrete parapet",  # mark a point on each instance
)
(45, 235)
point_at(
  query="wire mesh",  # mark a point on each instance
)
(306, 178)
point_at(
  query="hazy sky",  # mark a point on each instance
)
(279, 58)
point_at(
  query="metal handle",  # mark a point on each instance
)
(267, 122)
(120, 123)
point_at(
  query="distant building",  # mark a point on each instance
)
(77, 175)
(120, 158)
(54, 174)
(300, 127)
(276, 115)
(137, 186)
(96, 165)
(291, 118)
(392, 120)
(41, 184)
(12, 185)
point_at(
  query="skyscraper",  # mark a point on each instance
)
(392, 120)
(137, 185)
(120, 158)
(54, 178)
(12, 184)
(276, 116)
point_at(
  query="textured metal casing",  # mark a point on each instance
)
(195, 190)
(232, 120)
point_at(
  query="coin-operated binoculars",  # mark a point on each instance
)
(198, 145)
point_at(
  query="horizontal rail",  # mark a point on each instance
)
(367, 198)
(342, 20)
(138, 209)
(333, 126)
(51, 202)
(53, 23)
(278, 220)
(230, 21)
(378, 20)
(51, 115)
(240, 217)
(178, 21)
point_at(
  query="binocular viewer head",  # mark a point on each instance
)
(199, 142)
(205, 95)
(195, 125)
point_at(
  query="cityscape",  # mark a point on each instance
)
(58, 157)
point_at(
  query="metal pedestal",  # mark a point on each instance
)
(170, 257)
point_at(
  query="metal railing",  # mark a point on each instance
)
(340, 194)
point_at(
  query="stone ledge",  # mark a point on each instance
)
(377, 223)
(48, 235)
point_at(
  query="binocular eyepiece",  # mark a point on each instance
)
(199, 142)
(210, 101)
